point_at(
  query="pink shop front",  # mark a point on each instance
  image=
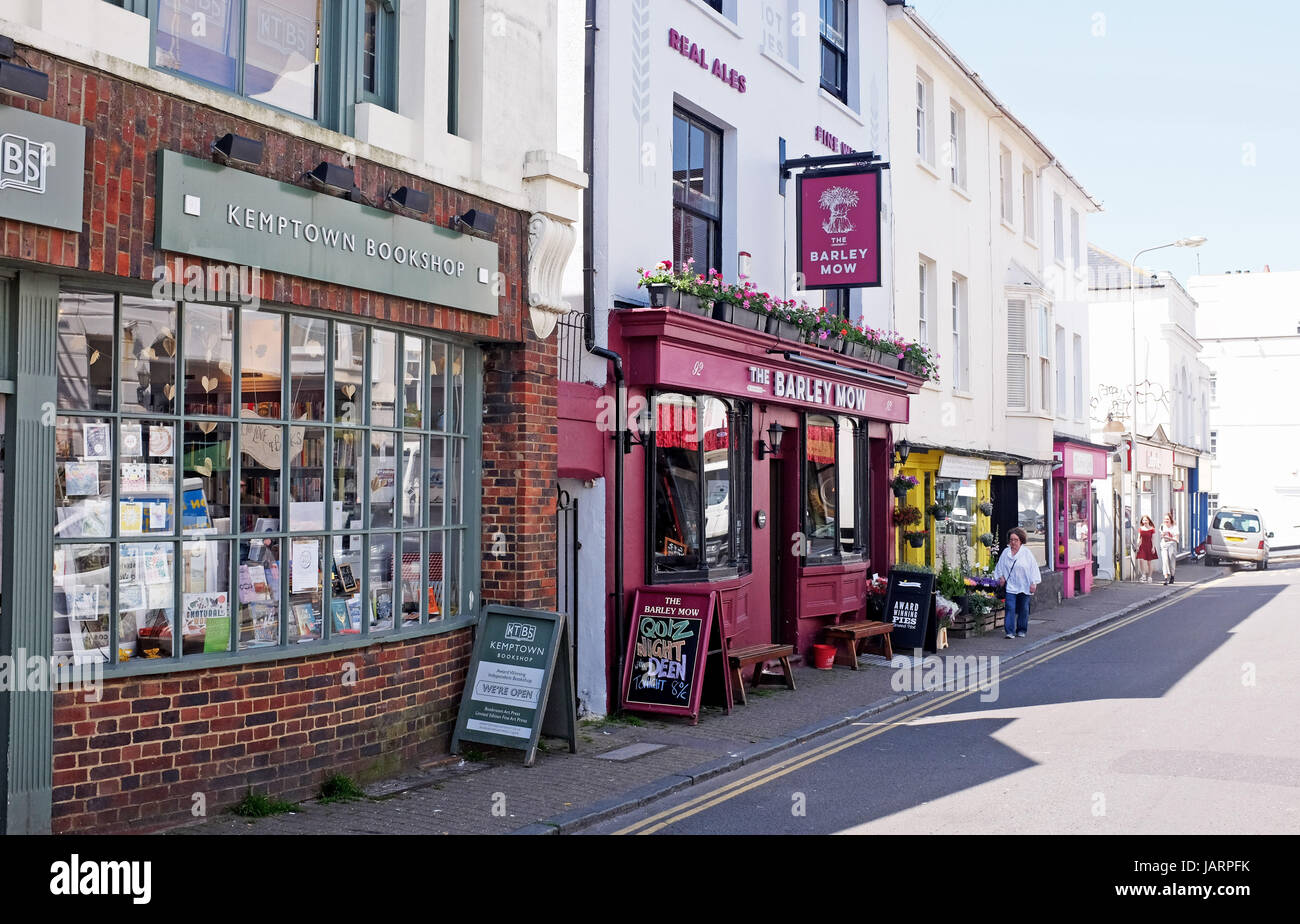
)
(759, 470)
(1080, 464)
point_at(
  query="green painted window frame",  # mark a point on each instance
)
(453, 67)
(339, 81)
(386, 18)
(468, 529)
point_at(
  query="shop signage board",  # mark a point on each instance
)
(1036, 471)
(668, 649)
(839, 228)
(909, 605)
(520, 682)
(226, 214)
(964, 467)
(1155, 459)
(42, 169)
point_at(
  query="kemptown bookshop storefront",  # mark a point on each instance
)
(248, 427)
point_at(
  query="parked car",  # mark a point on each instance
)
(1237, 534)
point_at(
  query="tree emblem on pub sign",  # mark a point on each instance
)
(838, 200)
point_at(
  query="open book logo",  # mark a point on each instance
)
(22, 163)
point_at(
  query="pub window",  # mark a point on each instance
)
(837, 302)
(249, 479)
(699, 527)
(835, 48)
(697, 191)
(835, 476)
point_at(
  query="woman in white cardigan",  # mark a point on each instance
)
(1017, 570)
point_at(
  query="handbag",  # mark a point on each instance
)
(1000, 592)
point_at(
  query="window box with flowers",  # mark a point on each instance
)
(675, 288)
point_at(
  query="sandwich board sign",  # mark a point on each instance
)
(909, 605)
(520, 682)
(668, 649)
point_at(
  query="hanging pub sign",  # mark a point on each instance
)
(909, 605)
(667, 649)
(839, 228)
(520, 682)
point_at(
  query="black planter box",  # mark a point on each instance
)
(786, 330)
(750, 320)
(691, 304)
(659, 294)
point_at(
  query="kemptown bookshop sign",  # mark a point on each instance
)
(207, 210)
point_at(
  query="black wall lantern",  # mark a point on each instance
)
(481, 222)
(773, 445)
(408, 198)
(236, 149)
(902, 449)
(14, 78)
(332, 178)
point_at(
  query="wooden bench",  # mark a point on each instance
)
(758, 655)
(847, 636)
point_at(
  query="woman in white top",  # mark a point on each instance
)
(1168, 546)
(1018, 571)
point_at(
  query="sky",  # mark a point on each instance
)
(1182, 117)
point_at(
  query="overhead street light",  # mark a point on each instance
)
(1194, 241)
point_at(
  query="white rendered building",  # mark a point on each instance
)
(1250, 328)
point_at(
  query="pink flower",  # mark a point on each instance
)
(666, 264)
(646, 274)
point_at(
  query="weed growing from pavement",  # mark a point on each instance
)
(260, 805)
(620, 718)
(473, 755)
(340, 788)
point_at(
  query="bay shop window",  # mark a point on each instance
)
(835, 499)
(699, 488)
(247, 479)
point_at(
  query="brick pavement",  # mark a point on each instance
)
(496, 794)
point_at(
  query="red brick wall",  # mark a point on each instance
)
(126, 124)
(135, 759)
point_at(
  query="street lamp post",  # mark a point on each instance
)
(1196, 241)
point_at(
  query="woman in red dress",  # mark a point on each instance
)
(1146, 550)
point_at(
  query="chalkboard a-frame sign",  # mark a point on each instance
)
(520, 682)
(909, 605)
(667, 651)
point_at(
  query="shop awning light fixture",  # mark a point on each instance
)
(331, 178)
(481, 222)
(773, 444)
(408, 198)
(236, 149)
(15, 78)
(902, 449)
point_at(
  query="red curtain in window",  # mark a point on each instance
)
(821, 444)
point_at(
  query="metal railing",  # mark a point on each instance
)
(569, 343)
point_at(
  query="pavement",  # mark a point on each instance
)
(624, 762)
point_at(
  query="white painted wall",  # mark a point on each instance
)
(1250, 325)
(960, 228)
(509, 80)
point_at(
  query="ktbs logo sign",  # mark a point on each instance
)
(23, 162)
(520, 632)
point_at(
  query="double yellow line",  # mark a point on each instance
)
(661, 820)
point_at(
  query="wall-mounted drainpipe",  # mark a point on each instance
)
(620, 436)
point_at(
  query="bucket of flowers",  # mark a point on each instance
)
(939, 511)
(906, 515)
(916, 537)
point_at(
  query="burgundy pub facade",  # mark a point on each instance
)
(759, 469)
